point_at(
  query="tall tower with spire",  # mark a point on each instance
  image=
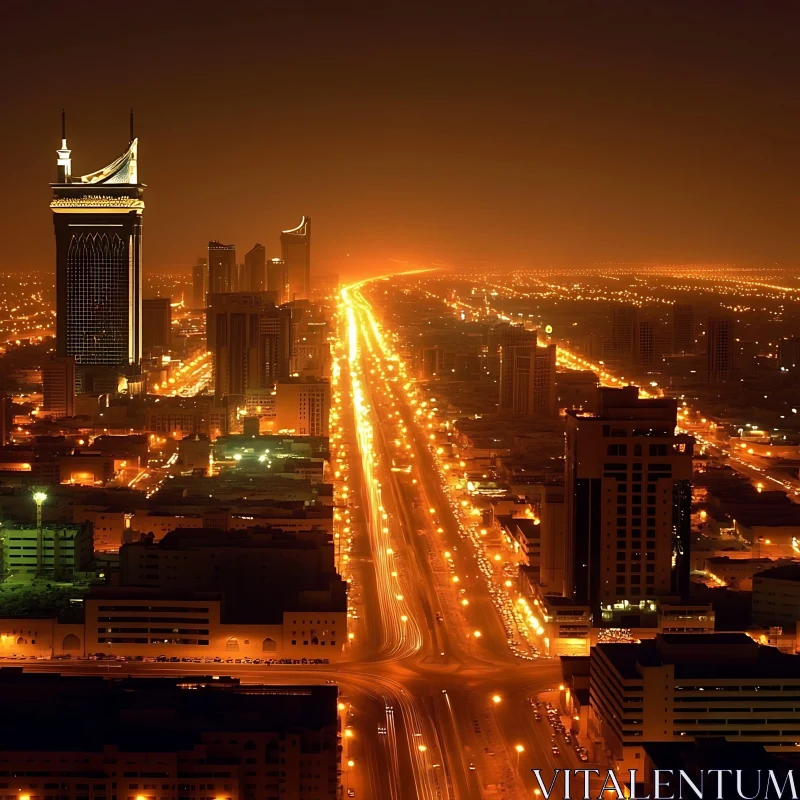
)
(98, 225)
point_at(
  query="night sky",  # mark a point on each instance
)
(514, 134)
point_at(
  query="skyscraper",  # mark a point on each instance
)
(255, 267)
(296, 252)
(221, 267)
(516, 351)
(278, 279)
(200, 283)
(250, 339)
(719, 341)
(58, 383)
(628, 502)
(682, 328)
(543, 394)
(98, 228)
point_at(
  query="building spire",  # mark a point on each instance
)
(132, 137)
(64, 160)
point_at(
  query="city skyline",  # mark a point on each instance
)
(689, 158)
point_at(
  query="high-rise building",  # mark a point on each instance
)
(303, 406)
(221, 267)
(628, 502)
(645, 351)
(296, 252)
(255, 267)
(58, 382)
(250, 339)
(516, 350)
(156, 323)
(682, 328)
(623, 333)
(719, 343)
(278, 279)
(200, 283)
(98, 228)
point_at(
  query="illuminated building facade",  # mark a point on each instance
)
(296, 253)
(628, 502)
(98, 229)
(303, 406)
(623, 333)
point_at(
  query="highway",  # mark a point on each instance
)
(434, 700)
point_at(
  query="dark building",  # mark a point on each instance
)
(645, 354)
(623, 333)
(255, 269)
(719, 343)
(194, 737)
(250, 339)
(517, 347)
(58, 387)
(157, 323)
(682, 328)
(628, 502)
(278, 279)
(200, 283)
(98, 228)
(296, 253)
(221, 267)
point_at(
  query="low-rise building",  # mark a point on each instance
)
(160, 738)
(776, 596)
(678, 687)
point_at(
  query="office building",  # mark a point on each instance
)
(678, 687)
(719, 343)
(221, 267)
(162, 738)
(278, 279)
(157, 324)
(628, 503)
(58, 387)
(516, 351)
(250, 339)
(683, 340)
(296, 254)
(623, 333)
(98, 229)
(302, 406)
(200, 283)
(255, 269)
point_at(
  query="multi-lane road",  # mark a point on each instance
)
(434, 703)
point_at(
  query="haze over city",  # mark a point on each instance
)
(399, 401)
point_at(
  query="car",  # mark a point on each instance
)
(537, 716)
(351, 792)
(556, 751)
(583, 757)
(567, 739)
(471, 766)
(439, 616)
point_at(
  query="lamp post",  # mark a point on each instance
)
(39, 497)
(520, 749)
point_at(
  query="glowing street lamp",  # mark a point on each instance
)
(39, 497)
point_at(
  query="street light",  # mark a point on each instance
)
(520, 749)
(39, 497)
(496, 699)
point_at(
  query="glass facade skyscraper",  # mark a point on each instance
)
(98, 228)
